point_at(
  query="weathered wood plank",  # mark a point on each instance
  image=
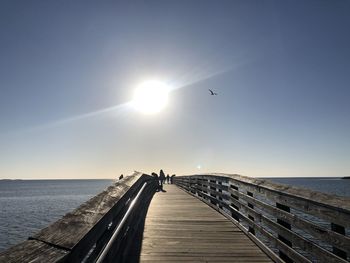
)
(32, 251)
(180, 228)
(331, 237)
(218, 190)
(73, 236)
(71, 228)
(272, 239)
(330, 207)
(298, 240)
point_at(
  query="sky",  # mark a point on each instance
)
(68, 70)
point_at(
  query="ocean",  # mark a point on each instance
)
(27, 206)
(330, 185)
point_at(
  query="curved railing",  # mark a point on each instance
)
(290, 224)
(82, 235)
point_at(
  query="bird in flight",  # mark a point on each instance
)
(212, 92)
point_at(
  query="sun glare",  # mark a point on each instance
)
(151, 96)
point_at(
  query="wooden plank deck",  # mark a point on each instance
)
(181, 228)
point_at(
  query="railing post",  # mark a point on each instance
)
(192, 183)
(206, 180)
(341, 230)
(283, 239)
(250, 229)
(196, 186)
(234, 214)
(218, 182)
(199, 186)
(211, 194)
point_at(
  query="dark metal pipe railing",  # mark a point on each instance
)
(101, 257)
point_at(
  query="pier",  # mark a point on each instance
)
(200, 218)
(181, 228)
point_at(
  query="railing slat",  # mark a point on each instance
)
(336, 214)
(328, 236)
(286, 249)
(244, 198)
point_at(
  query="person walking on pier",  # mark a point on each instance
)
(161, 179)
(167, 179)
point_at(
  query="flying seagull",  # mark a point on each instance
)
(212, 92)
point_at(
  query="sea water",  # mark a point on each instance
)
(26, 206)
(330, 185)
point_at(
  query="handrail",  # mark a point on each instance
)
(80, 235)
(108, 246)
(296, 224)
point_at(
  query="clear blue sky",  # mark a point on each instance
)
(281, 68)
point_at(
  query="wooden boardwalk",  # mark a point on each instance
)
(181, 228)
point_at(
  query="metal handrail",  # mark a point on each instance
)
(106, 249)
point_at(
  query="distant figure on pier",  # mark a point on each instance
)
(121, 176)
(167, 179)
(157, 180)
(161, 179)
(172, 178)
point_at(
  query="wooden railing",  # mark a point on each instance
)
(81, 235)
(290, 224)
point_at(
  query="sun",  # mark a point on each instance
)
(151, 96)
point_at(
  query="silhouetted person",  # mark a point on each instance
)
(157, 181)
(121, 176)
(161, 179)
(167, 179)
(172, 179)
